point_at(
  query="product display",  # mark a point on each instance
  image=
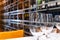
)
(37, 14)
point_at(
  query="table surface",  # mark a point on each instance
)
(52, 36)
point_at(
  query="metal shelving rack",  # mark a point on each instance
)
(10, 21)
(32, 15)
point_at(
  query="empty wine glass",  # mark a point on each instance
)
(47, 28)
(58, 25)
(36, 31)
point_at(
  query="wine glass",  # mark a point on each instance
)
(58, 25)
(47, 28)
(36, 31)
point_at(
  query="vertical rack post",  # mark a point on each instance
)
(4, 18)
(10, 18)
(23, 14)
(17, 14)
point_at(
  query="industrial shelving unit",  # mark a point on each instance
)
(20, 14)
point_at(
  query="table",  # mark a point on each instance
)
(24, 38)
(52, 36)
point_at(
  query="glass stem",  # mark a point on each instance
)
(38, 37)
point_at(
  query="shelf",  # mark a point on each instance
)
(54, 8)
(21, 11)
(6, 20)
(18, 21)
(6, 26)
(14, 12)
(44, 9)
(52, 3)
(14, 4)
(15, 23)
